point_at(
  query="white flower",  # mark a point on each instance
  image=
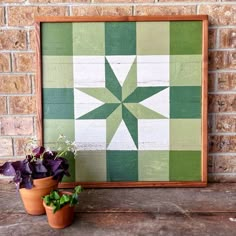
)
(67, 142)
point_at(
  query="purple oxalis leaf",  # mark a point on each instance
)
(39, 164)
(7, 169)
(37, 152)
(27, 182)
(17, 178)
(54, 164)
(58, 174)
(39, 167)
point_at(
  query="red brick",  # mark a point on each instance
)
(6, 147)
(212, 38)
(22, 105)
(211, 122)
(187, 0)
(24, 16)
(209, 164)
(211, 81)
(102, 11)
(15, 84)
(3, 105)
(222, 102)
(226, 81)
(228, 38)
(32, 40)
(222, 143)
(222, 60)
(12, 1)
(33, 81)
(224, 164)
(2, 16)
(165, 10)
(225, 123)
(24, 62)
(222, 178)
(123, 1)
(59, 1)
(5, 65)
(19, 145)
(12, 39)
(16, 125)
(219, 14)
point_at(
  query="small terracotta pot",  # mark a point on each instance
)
(32, 198)
(61, 218)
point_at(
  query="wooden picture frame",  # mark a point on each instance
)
(128, 78)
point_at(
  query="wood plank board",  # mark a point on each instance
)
(136, 211)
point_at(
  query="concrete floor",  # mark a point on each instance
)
(135, 211)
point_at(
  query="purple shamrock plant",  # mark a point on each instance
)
(40, 163)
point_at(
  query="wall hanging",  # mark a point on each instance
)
(132, 93)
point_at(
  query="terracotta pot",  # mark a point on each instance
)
(61, 218)
(32, 198)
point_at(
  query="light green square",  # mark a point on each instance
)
(88, 39)
(185, 134)
(57, 72)
(153, 165)
(53, 128)
(185, 70)
(91, 166)
(153, 38)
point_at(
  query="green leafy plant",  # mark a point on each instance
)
(57, 200)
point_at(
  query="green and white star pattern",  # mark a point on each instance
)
(129, 94)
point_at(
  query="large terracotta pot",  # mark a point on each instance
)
(32, 198)
(61, 218)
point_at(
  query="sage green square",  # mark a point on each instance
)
(153, 38)
(57, 39)
(88, 38)
(185, 134)
(90, 166)
(54, 127)
(58, 103)
(185, 37)
(57, 72)
(185, 166)
(120, 38)
(153, 165)
(185, 70)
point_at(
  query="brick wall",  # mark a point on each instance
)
(17, 67)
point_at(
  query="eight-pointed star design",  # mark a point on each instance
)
(122, 102)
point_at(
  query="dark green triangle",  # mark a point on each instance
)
(141, 93)
(132, 124)
(112, 83)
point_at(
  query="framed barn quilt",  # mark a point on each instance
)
(131, 92)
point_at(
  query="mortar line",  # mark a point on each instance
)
(222, 113)
(222, 154)
(229, 92)
(222, 133)
(216, 81)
